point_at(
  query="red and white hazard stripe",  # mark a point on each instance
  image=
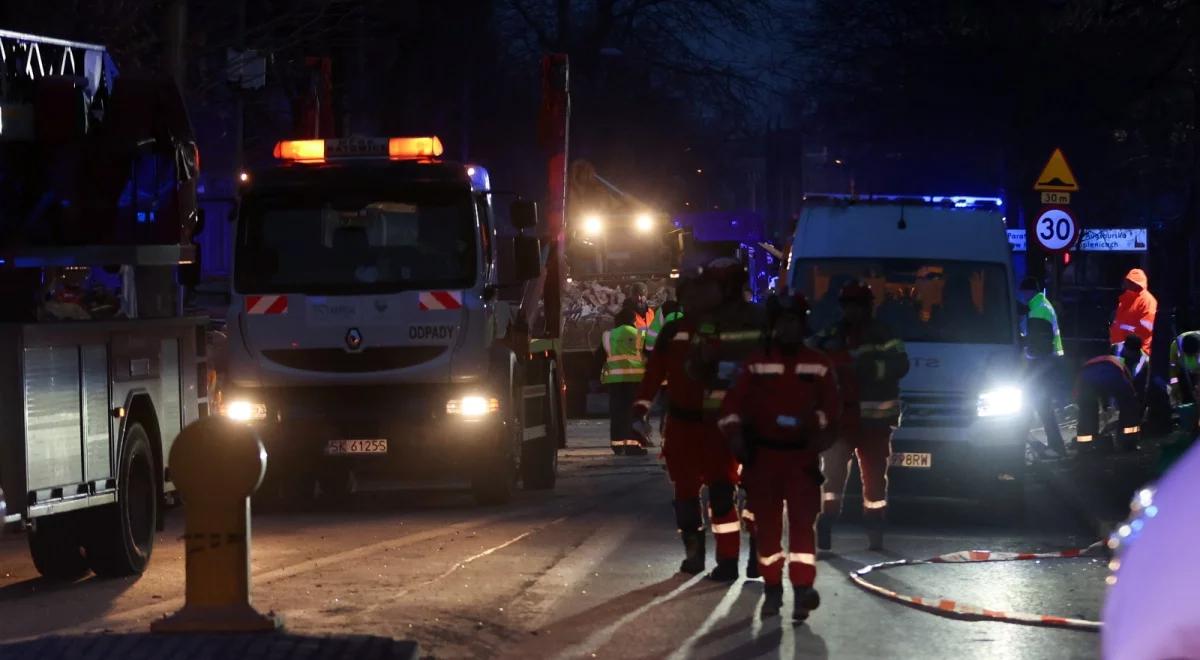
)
(266, 304)
(947, 607)
(439, 300)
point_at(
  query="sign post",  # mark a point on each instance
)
(1056, 230)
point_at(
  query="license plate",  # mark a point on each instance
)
(339, 447)
(912, 460)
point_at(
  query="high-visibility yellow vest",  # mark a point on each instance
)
(657, 324)
(623, 344)
(1040, 308)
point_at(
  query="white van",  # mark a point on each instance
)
(942, 277)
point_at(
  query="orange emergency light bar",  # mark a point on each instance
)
(398, 148)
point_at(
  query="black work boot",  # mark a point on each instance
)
(772, 600)
(825, 532)
(726, 571)
(874, 522)
(752, 560)
(693, 552)
(807, 600)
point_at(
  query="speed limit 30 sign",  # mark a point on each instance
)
(1056, 230)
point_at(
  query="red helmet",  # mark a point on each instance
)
(856, 291)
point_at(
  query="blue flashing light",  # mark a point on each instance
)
(480, 180)
(965, 201)
(141, 217)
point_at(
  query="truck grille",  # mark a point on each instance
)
(338, 360)
(936, 410)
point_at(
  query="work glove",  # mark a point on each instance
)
(641, 426)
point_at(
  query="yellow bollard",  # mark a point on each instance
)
(217, 464)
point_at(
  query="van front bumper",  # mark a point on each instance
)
(980, 461)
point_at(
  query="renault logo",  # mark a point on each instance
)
(354, 339)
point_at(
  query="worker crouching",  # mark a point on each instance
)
(779, 416)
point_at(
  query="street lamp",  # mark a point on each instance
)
(593, 225)
(644, 223)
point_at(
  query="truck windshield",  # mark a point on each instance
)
(356, 242)
(920, 300)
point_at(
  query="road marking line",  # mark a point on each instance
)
(604, 635)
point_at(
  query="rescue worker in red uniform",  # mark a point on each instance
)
(779, 416)
(870, 363)
(689, 355)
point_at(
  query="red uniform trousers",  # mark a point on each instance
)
(774, 478)
(698, 455)
(871, 441)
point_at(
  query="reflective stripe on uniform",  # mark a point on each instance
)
(766, 368)
(1126, 326)
(770, 559)
(811, 369)
(1131, 429)
(681, 336)
(627, 372)
(1147, 324)
(644, 403)
(747, 514)
(822, 420)
(829, 497)
(727, 528)
(1083, 438)
(624, 443)
(625, 356)
(732, 418)
(803, 558)
(874, 504)
(740, 335)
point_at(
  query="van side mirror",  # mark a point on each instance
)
(528, 253)
(522, 213)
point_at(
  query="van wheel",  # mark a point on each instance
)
(121, 537)
(54, 543)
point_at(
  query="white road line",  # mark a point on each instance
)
(718, 613)
(587, 647)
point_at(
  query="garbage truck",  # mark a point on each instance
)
(383, 332)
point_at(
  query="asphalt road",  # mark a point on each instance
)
(588, 570)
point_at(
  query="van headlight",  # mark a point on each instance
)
(244, 410)
(472, 407)
(1000, 401)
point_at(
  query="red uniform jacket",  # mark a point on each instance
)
(785, 400)
(668, 363)
(1135, 312)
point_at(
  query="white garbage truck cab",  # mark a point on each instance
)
(940, 271)
(369, 332)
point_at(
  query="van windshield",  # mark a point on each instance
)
(356, 242)
(920, 300)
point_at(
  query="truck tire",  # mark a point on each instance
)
(121, 537)
(495, 474)
(539, 460)
(55, 546)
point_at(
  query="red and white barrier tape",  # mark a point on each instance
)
(948, 607)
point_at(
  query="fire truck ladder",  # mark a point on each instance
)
(27, 57)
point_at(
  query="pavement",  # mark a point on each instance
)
(587, 570)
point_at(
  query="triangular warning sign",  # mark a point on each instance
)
(1056, 175)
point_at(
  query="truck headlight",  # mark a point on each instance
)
(1000, 401)
(472, 407)
(644, 223)
(243, 410)
(593, 225)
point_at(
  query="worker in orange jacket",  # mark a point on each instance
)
(779, 415)
(689, 355)
(1136, 309)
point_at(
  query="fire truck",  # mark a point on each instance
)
(382, 331)
(100, 370)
